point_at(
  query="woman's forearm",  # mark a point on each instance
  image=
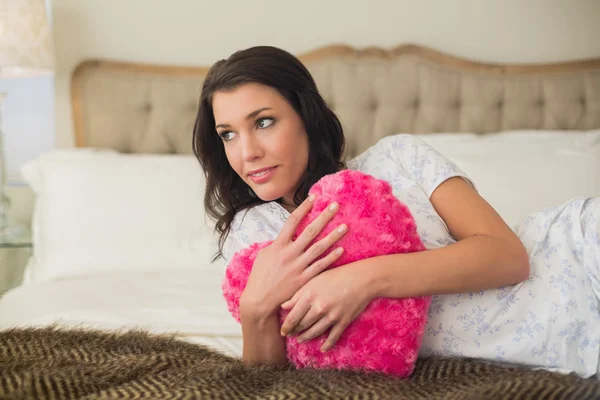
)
(262, 340)
(474, 264)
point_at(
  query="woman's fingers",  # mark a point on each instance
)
(310, 232)
(321, 265)
(310, 318)
(319, 248)
(315, 227)
(288, 305)
(295, 316)
(334, 335)
(315, 330)
(289, 228)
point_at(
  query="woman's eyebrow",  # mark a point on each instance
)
(249, 116)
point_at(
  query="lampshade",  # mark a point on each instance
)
(26, 47)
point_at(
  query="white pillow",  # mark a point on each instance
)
(99, 211)
(520, 172)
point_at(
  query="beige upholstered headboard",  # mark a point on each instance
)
(151, 109)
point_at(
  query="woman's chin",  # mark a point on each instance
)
(268, 195)
(270, 191)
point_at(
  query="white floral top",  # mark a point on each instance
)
(552, 320)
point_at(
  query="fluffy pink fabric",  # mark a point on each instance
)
(387, 335)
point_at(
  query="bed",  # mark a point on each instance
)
(121, 239)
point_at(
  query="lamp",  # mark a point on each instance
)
(26, 50)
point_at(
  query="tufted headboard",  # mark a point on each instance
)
(145, 108)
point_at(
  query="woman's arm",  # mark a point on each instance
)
(262, 340)
(487, 255)
(278, 271)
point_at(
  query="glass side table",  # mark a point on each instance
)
(12, 260)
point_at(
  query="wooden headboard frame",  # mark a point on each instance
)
(434, 56)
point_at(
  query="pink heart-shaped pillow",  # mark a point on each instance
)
(386, 336)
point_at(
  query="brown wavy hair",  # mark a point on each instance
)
(226, 193)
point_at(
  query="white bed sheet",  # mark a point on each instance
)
(186, 302)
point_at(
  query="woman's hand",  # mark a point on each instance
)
(284, 266)
(332, 299)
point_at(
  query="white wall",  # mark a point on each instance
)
(199, 32)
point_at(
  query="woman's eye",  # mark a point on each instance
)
(226, 135)
(264, 123)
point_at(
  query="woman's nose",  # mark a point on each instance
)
(251, 149)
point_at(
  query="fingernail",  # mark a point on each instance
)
(333, 207)
(342, 228)
(300, 340)
(339, 250)
(323, 349)
(311, 197)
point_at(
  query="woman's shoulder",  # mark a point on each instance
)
(387, 145)
(402, 142)
(386, 148)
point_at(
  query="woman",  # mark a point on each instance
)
(264, 135)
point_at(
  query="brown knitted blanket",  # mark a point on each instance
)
(52, 363)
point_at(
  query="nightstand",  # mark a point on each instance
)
(14, 252)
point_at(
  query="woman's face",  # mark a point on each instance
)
(265, 139)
